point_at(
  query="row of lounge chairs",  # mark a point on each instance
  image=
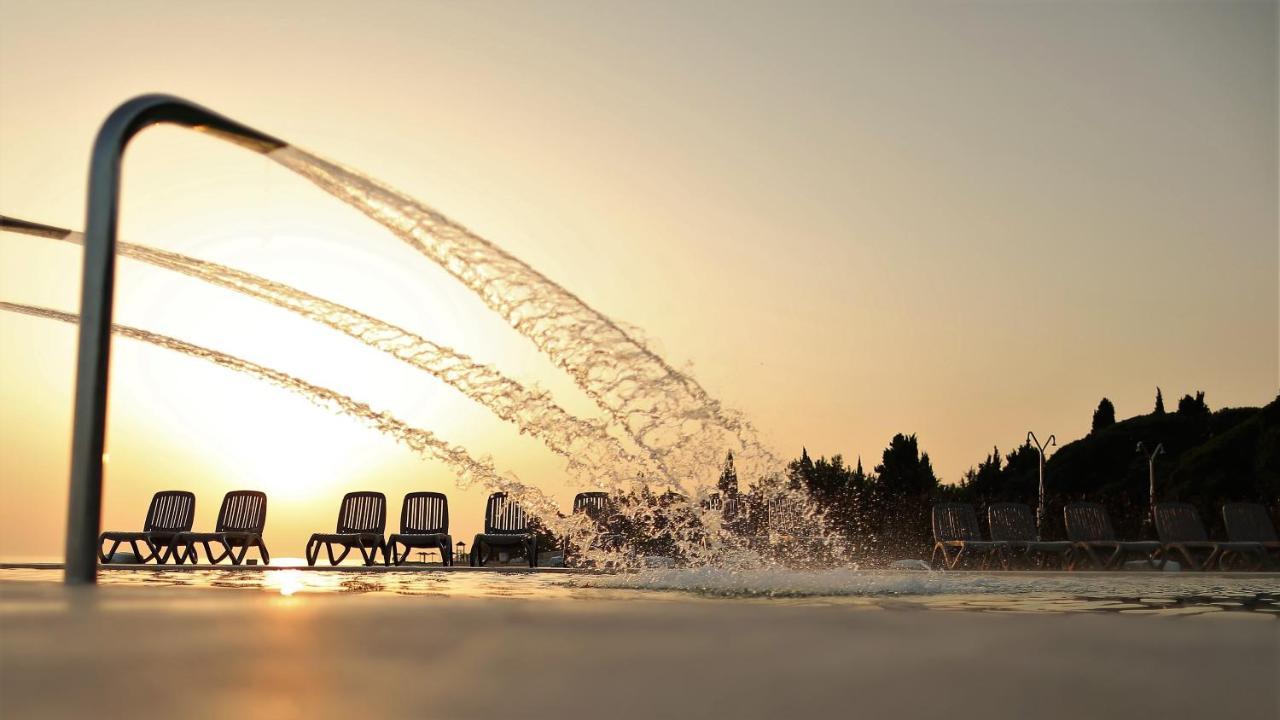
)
(361, 525)
(1092, 541)
(166, 533)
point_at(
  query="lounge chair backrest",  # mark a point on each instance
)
(243, 511)
(363, 512)
(1248, 522)
(594, 504)
(424, 513)
(1012, 522)
(713, 502)
(1179, 522)
(1088, 522)
(502, 515)
(955, 521)
(784, 513)
(171, 511)
(732, 505)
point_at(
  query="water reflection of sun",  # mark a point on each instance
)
(291, 582)
(286, 582)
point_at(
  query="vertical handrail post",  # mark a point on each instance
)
(88, 438)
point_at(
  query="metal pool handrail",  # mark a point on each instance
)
(84, 511)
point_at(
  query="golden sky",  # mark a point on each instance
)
(848, 219)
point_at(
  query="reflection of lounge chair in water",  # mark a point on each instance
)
(171, 512)
(1182, 532)
(1089, 529)
(241, 519)
(1248, 522)
(505, 525)
(1014, 525)
(956, 536)
(424, 523)
(362, 519)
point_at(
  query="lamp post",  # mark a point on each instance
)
(1041, 510)
(1151, 477)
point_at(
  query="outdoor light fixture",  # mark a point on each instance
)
(1041, 510)
(1151, 477)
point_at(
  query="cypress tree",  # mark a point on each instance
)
(1104, 416)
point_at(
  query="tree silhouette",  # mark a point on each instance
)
(904, 470)
(800, 472)
(1159, 402)
(728, 484)
(904, 488)
(859, 478)
(1104, 416)
(1193, 406)
(985, 480)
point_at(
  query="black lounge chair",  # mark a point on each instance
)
(171, 512)
(596, 506)
(241, 519)
(1092, 536)
(1248, 522)
(362, 519)
(505, 525)
(1182, 532)
(424, 523)
(1015, 526)
(955, 528)
(785, 515)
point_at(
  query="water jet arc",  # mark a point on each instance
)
(93, 355)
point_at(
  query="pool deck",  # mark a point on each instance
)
(140, 652)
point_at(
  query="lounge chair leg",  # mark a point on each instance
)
(226, 551)
(312, 556)
(1214, 556)
(262, 551)
(1191, 564)
(346, 550)
(110, 555)
(1114, 561)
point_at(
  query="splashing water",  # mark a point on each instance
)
(681, 429)
(666, 412)
(592, 454)
(470, 471)
(698, 538)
